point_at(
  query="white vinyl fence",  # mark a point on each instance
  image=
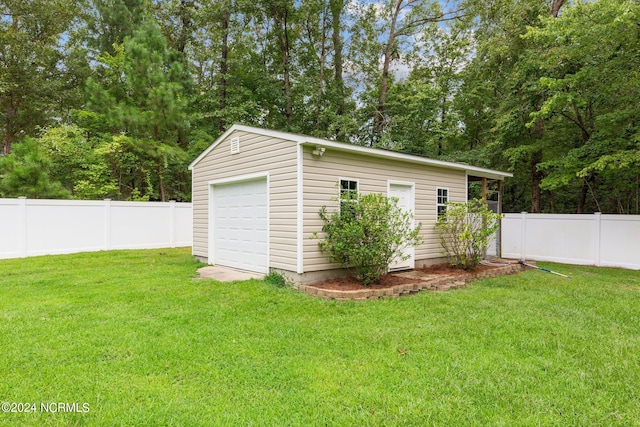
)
(597, 239)
(30, 227)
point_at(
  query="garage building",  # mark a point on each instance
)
(257, 193)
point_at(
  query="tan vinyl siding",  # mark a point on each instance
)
(321, 176)
(258, 154)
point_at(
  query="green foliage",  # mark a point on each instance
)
(77, 163)
(425, 120)
(138, 100)
(27, 172)
(96, 184)
(465, 232)
(129, 166)
(552, 99)
(589, 66)
(34, 88)
(276, 279)
(367, 234)
(497, 84)
(112, 21)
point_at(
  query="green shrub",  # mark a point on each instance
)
(276, 279)
(367, 234)
(465, 231)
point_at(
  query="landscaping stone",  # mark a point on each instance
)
(423, 281)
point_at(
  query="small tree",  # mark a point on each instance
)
(465, 231)
(366, 234)
(27, 171)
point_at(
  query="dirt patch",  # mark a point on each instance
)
(451, 271)
(353, 284)
(400, 278)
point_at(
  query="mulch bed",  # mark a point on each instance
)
(353, 284)
(435, 278)
(391, 280)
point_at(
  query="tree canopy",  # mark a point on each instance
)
(113, 98)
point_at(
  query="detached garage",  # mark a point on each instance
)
(257, 193)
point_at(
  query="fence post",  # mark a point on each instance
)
(22, 227)
(107, 224)
(172, 222)
(596, 240)
(523, 235)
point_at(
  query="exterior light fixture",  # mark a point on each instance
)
(319, 151)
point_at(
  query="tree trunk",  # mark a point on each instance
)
(379, 117)
(536, 179)
(12, 109)
(443, 118)
(323, 56)
(583, 196)
(337, 6)
(224, 67)
(161, 183)
(282, 23)
(185, 20)
(555, 7)
(536, 158)
(9, 131)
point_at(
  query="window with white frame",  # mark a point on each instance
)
(348, 195)
(442, 198)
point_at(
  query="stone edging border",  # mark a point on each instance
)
(443, 283)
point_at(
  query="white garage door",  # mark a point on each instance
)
(240, 225)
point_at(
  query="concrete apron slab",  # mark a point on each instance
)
(226, 274)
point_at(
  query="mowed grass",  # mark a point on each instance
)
(133, 336)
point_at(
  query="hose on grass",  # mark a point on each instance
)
(543, 269)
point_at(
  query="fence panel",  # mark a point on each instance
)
(603, 240)
(53, 227)
(11, 228)
(620, 241)
(41, 227)
(139, 225)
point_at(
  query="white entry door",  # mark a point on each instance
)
(405, 195)
(240, 225)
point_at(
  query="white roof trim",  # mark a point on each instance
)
(396, 155)
(341, 146)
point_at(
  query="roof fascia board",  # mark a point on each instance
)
(474, 170)
(308, 140)
(212, 146)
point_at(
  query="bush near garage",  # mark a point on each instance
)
(465, 231)
(366, 234)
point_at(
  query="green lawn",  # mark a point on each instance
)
(130, 334)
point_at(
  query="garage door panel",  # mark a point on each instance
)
(241, 225)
